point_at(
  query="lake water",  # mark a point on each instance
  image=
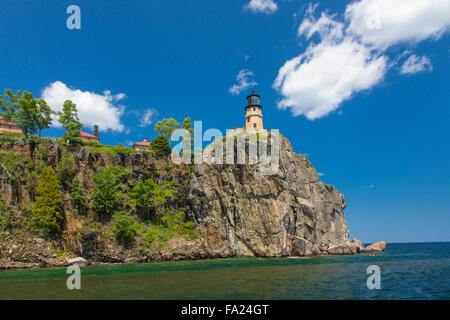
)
(408, 271)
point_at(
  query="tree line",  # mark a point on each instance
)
(33, 115)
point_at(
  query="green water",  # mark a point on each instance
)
(408, 271)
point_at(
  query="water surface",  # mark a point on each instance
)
(408, 271)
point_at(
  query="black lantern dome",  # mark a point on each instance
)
(253, 99)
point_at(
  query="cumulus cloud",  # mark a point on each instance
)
(319, 80)
(93, 108)
(243, 82)
(263, 6)
(349, 56)
(415, 64)
(383, 23)
(147, 117)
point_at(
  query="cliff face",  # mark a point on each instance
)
(237, 210)
(286, 213)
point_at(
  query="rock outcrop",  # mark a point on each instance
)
(378, 246)
(238, 209)
(289, 212)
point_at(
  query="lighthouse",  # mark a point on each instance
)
(253, 112)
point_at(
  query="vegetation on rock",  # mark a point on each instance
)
(68, 117)
(109, 189)
(160, 146)
(49, 205)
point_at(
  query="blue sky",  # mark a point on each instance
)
(367, 102)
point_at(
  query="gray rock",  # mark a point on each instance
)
(78, 261)
(289, 213)
(349, 247)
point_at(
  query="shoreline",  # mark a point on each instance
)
(43, 266)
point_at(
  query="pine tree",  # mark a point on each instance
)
(160, 146)
(48, 208)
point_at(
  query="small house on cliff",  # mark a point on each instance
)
(142, 146)
(9, 127)
(89, 137)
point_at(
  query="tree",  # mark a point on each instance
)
(160, 146)
(32, 115)
(166, 127)
(26, 113)
(43, 116)
(106, 195)
(9, 104)
(48, 208)
(96, 130)
(148, 194)
(70, 121)
(187, 125)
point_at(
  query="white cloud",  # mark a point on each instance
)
(243, 82)
(371, 186)
(383, 23)
(415, 64)
(264, 6)
(93, 108)
(328, 73)
(350, 55)
(147, 117)
(321, 174)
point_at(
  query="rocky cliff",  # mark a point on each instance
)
(237, 210)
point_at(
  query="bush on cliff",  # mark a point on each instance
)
(160, 146)
(48, 207)
(148, 195)
(169, 225)
(125, 228)
(77, 196)
(108, 189)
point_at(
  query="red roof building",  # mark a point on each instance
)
(89, 137)
(9, 127)
(144, 145)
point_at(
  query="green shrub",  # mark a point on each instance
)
(115, 150)
(148, 194)
(48, 207)
(169, 225)
(125, 228)
(160, 146)
(77, 196)
(108, 189)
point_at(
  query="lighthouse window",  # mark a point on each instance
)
(254, 125)
(248, 119)
(254, 100)
(254, 109)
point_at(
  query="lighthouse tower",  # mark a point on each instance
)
(253, 112)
